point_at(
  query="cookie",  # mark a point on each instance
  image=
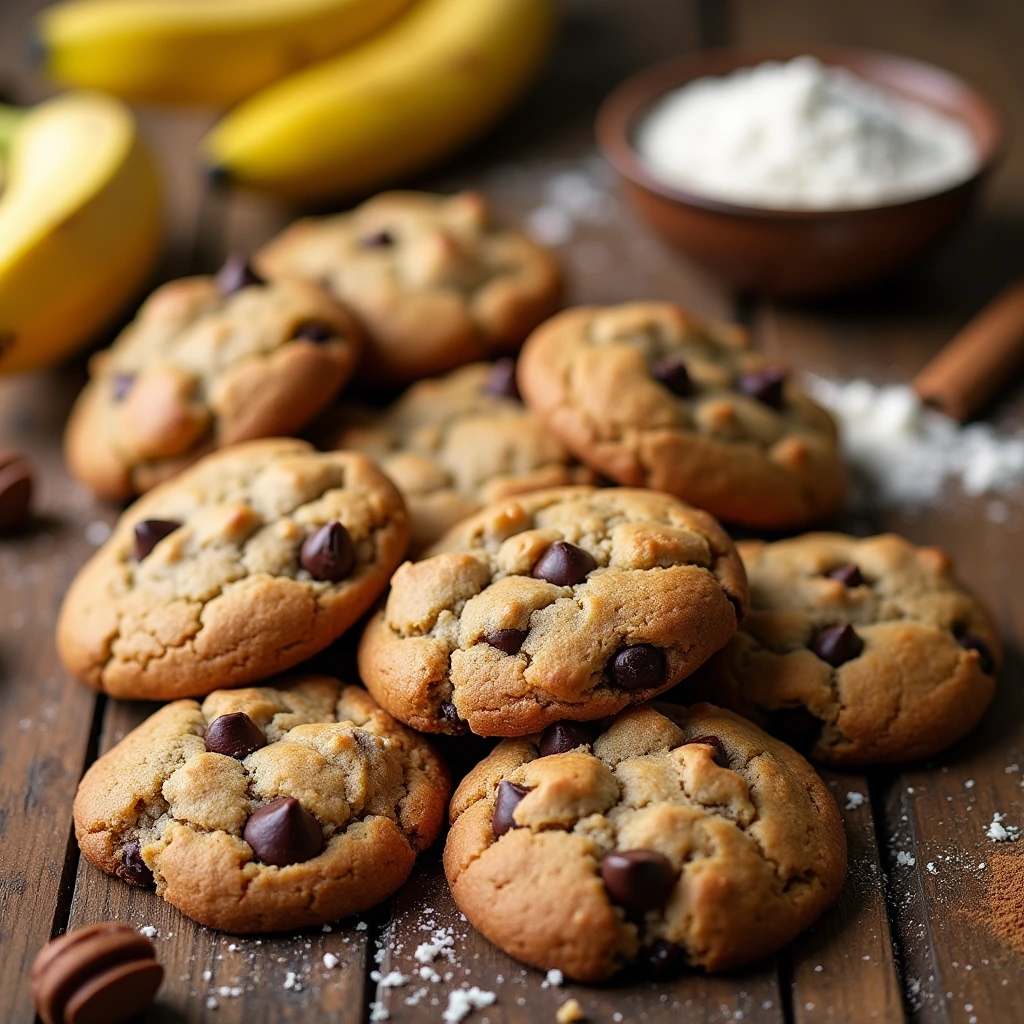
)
(434, 284)
(206, 363)
(667, 839)
(566, 603)
(650, 396)
(248, 562)
(265, 809)
(857, 651)
(454, 444)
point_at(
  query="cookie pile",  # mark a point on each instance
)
(522, 550)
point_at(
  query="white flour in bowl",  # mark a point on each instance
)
(799, 135)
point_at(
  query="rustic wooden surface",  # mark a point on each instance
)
(907, 941)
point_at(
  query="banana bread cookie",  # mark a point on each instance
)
(248, 562)
(265, 809)
(666, 839)
(434, 284)
(652, 397)
(568, 603)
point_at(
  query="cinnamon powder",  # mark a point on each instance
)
(1004, 899)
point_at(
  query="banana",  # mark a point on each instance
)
(79, 225)
(198, 51)
(405, 98)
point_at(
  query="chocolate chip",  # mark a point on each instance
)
(664, 959)
(235, 735)
(721, 758)
(314, 330)
(236, 274)
(764, 385)
(378, 240)
(328, 554)
(671, 371)
(16, 486)
(970, 642)
(563, 564)
(283, 832)
(150, 532)
(795, 726)
(562, 737)
(120, 385)
(837, 644)
(507, 640)
(133, 868)
(505, 803)
(639, 667)
(502, 380)
(451, 715)
(638, 880)
(849, 575)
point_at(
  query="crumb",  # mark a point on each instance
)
(854, 800)
(330, 961)
(148, 930)
(904, 859)
(207, 975)
(463, 1001)
(1000, 833)
(969, 784)
(932, 869)
(361, 926)
(553, 979)
(393, 980)
(327, 928)
(378, 1012)
(569, 1012)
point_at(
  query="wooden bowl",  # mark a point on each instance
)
(797, 252)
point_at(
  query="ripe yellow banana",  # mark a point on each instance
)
(79, 225)
(199, 51)
(403, 99)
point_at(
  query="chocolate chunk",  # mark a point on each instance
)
(562, 737)
(507, 800)
(795, 726)
(639, 667)
(133, 868)
(150, 532)
(236, 274)
(120, 385)
(849, 575)
(970, 642)
(283, 832)
(105, 972)
(451, 715)
(314, 330)
(378, 240)
(638, 880)
(502, 380)
(507, 640)
(664, 959)
(563, 564)
(721, 758)
(671, 371)
(235, 735)
(16, 486)
(328, 554)
(764, 385)
(837, 644)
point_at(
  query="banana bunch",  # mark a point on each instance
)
(79, 224)
(386, 104)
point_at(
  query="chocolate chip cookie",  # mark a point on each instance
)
(253, 559)
(669, 838)
(857, 651)
(433, 282)
(566, 603)
(206, 363)
(454, 444)
(650, 396)
(264, 809)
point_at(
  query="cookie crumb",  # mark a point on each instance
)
(211, 1003)
(569, 1012)
(904, 859)
(1000, 833)
(330, 961)
(553, 979)
(463, 1001)
(361, 926)
(378, 1012)
(854, 800)
(148, 930)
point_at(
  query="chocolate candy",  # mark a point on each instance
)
(664, 959)
(764, 385)
(671, 371)
(507, 800)
(236, 274)
(120, 385)
(638, 880)
(507, 640)
(721, 758)
(234, 735)
(849, 575)
(563, 564)
(283, 832)
(639, 667)
(328, 554)
(795, 726)
(314, 330)
(561, 737)
(837, 644)
(150, 532)
(16, 486)
(379, 240)
(106, 972)
(970, 642)
(502, 380)
(133, 869)
(450, 714)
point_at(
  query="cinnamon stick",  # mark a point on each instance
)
(971, 367)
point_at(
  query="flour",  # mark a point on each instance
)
(798, 135)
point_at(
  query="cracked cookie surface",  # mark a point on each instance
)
(206, 580)
(650, 396)
(567, 603)
(200, 369)
(667, 838)
(433, 282)
(912, 673)
(457, 443)
(161, 808)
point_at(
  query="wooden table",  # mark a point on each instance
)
(912, 936)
